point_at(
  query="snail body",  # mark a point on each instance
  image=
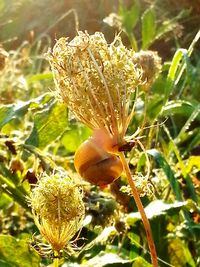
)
(96, 161)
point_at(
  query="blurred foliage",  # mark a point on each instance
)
(38, 133)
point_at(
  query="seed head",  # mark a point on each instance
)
(96, 80)
(113, 20)
(150, 62)
(58, 209)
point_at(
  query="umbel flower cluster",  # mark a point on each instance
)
(58, 209)
(96, 80)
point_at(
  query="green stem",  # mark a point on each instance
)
(56, 259)
(141, 210)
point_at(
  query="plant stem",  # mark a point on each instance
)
(56, 259)
(141, 210)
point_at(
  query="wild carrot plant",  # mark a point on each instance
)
(100, 83)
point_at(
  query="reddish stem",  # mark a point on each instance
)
(141, 210)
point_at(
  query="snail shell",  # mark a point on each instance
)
(94, 163)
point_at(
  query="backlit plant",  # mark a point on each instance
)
(58, 209)
(97, 81)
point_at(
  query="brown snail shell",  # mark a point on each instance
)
(95, 164)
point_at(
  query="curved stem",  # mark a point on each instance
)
(141, 210)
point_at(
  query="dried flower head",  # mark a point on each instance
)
(58, 209)
(96, 80)
(150, 62)
(113, 20)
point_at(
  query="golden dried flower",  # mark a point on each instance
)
(150, 62)
(96, 80)
(58, 209)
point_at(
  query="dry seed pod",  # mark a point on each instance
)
(96, 161)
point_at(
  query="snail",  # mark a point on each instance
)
(96, 159)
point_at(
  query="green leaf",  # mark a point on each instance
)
(72, 138)
(40, 77)
(155, 209)
(178, 65)
(49, 124)
(180, 254)
(186, 176)
(17, 253)
(130, 17)
(11, 186)
(4, 201)
(106, 260)
(191, 119)
(155, 106)
(135, 239)
(5, 264)
(195, 141)
(161, 161)
(141, 163)
(189, 52)
(140, 262)
(10, 112)
(180, 53)
(148, 27)
(182, 107)
(13, 111)
(173, 70)
(102, 238)
(193, 161)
